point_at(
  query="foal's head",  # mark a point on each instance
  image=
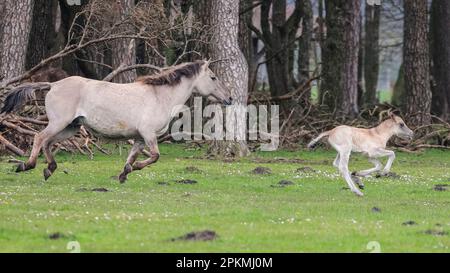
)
(207, 84)
(399, 127)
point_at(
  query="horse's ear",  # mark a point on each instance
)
(391, 115)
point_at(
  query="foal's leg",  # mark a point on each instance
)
(68, 132)
(336, 161)
(391, 157)
(138, 146)
(40, 139)
(377, 167)
(343, 168)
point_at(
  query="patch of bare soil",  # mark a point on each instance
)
(305, 169)
(441, 187)
(192, 169)
(409, 223)
(94, 189)
(205, 235)
(187, 181)
(376, 209)
(282, 184)
(262, 170)
(56, 236)
(389, 175)
(436, 232)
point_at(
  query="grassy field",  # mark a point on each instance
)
(249, 212)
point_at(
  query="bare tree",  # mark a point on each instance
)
(16, 29)
(305, 43)
(340, 57)
(417, 61)
(440, 52)
(232, 70)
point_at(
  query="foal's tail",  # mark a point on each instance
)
(20, 95)
(313, 142)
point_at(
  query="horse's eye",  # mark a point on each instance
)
(402, 125)
(213, 78)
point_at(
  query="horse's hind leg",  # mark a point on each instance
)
(138, 146)
(39, 140)
(68, 132)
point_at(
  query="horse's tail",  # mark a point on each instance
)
(313, 142)
(20, 95)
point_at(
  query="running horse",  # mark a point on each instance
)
(140, 110)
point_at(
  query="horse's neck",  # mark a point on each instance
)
(179, 94)
(384, 130)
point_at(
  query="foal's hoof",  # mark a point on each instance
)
(358, 193)
(47, 174)
(21, 167)
(358, 182)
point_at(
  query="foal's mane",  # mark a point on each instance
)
(173, 75)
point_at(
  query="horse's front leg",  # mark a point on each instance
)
(138, 146)
(152, 143)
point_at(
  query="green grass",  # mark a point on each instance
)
(248, 214)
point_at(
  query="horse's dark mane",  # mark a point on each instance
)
(172, 76)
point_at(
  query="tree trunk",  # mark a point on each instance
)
(416, 61)
(42, 36)
(371, 53)
(305, 44)
(340, 57)
(16, 29)
(233, 72)
(245, 37)
(124, 50)
(440, 53)
(398, 96)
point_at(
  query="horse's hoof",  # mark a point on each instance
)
(122, 178)
(361, 186)
(47, 174)
(20, 167)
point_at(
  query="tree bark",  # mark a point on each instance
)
(16, 29)
(233, 71)
(42, 36)
(245, 37)
(340, 57)
(440, 53)
(305, 44)
(371, 53)
(124, 50)
(416, 61)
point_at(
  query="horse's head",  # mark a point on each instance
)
(208, 85)
(399, 127)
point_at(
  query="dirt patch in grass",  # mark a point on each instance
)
(56, 236)
(282, 184)
(389, 175)
(436, 232)
(441, 187)
(162, 183)
(205, 235)
(192, 169)
(262, 170)
(305, 169)
(376, 209)
(186, 181)
(94, 190)
(409, 223)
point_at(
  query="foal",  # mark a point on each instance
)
(371, 142)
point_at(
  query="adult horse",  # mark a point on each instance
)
(141, 110)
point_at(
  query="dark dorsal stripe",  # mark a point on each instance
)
(173, 76)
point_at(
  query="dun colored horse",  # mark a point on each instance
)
(371, 142)
(141, 110)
